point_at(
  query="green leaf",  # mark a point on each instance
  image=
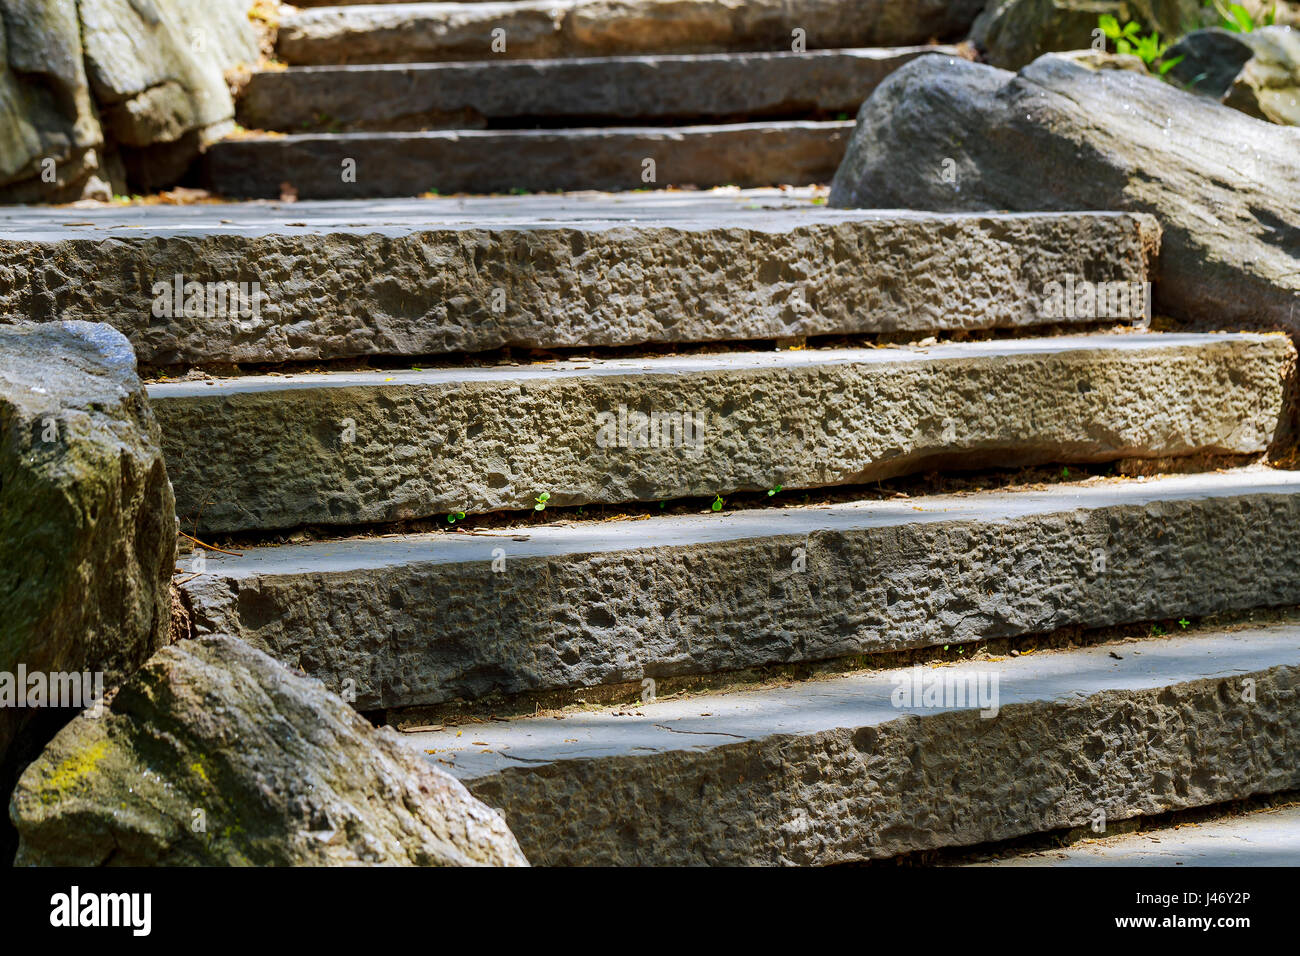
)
(1167, 65)
(717, 503)
(1109, 26)
(1238, 20)
(1123, 46)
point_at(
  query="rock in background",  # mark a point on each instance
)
(1012, 33)
(214, 753)
(87, 517)
(945, 134)
(1257, 72)
(50, 136)
(114, 91)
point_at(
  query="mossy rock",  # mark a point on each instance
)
(216, 754)
(87, 516)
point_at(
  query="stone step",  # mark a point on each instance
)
(425, 619)
(420, 277)
(368, 165)
(1262, 838)
(574, 92)
(850, 769)
(549, 29)
(269, 452)
(344, 3)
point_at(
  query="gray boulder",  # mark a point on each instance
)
(1257, 73)
(215, 754)
(50, 137)
(157, 68)
(945, 134)
(87, 517)
(113, 88)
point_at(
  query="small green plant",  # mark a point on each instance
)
(541, 500)
(772, 491)
(1183, 623)
(1124, 37)
(1237, 19)
(1128, 39)
(1158, 631)
(717, 503)
(1065, 472)
(455, 516)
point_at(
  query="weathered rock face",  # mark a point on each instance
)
(157, 66)
(1257, 73)
(49, 133)
(1015, 32)
(945, 134)
(214, 754)
(87, 518)
(80, 79)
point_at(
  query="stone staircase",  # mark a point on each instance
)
(748, 447)
(402, 99)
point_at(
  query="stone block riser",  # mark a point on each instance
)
(339, 293)
(349, 448)
(428, 619)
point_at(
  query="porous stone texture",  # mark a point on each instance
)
(50, 137)
(834, 771)
(541, 160)
(215, 755)
(1257, 72)
(419, 278)
(544, 29)
(1012, 33)
(426, 619)
(1224, 186)
(87, 518)
(341, 448)
(472, 95)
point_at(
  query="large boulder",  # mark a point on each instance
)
(215, 754)
(1012, 33)
(111, 89)
(50, 137)
(87, 518)
(158, 71)
(945, 134)
(1257, 72)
